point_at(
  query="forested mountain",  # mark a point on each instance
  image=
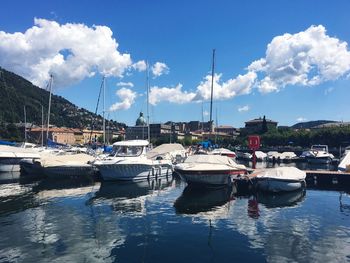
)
(15, 92)
(310, 124)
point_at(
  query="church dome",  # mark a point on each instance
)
(141, 120)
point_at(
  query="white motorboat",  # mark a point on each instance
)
(260, 156)
(318, 154)
(280, 179)
(10, 157)
(344, 165)
(273, 156)
(129, 162)
(56, 166)
(287, 156)
(224, 152)
(214, 170)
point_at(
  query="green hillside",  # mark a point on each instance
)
(15, 92)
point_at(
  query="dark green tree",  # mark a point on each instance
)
(264, 126)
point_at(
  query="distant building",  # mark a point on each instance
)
(157, 130)
(60, 135)
(256, 125)
(226, 129)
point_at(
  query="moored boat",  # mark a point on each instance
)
(129, 162)
(211, 170)
(280, 179)
(10, 157)
(318, 154)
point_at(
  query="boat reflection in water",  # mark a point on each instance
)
(129, 196)
(9, 177)
(283, 199)
(202, 200)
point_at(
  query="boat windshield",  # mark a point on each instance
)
(319, 148)
(123, 151)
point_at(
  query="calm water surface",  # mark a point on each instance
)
(168, 222)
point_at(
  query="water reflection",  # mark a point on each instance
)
(129, 196)
(195, 200)
(272, 200)
(9, 177)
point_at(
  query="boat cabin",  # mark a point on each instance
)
(319, 148)
(131, 148)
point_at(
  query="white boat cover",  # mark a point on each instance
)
(282, 173)
(17, 152)
(344, 165)
(272, 154)
(287, 155)
(222, 151)
(167, 148)
(66, 160)
(131, 143)
(213, 160)
(260, 155)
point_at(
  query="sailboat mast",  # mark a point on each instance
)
(49, 110)
(211, 94)
(25, 124)
(148, 126)
(42, 126)
(103, 113)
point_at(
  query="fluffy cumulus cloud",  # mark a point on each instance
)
(127, 98)
(172, 94)
(125, 84)
(140, 65)
(70, 52)
(243, 108)
(159, 69)
(306, 58)
(240, 85)
(301, 119)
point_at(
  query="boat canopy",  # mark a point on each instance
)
(66, 160)
(344, 165)
(210, 159)
(165, 149)
(131, 143)
(282, 173)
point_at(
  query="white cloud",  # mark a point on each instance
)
(125, 84)
(240, 85)
(205, 113)
(127, 97)
(174, 95)
(140, 65)
(301, 119)
(306, 58)
(159, 69)
(71, 52)
(244, 108)
(328, 90)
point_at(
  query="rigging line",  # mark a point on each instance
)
(98, 102)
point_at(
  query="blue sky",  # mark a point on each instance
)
(182, 34)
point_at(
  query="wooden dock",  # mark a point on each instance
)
(320, 179)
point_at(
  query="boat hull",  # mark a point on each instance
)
(278, 185)
(10, 164)
(210, 178)
(133, 172)
(69, 171)
(319, 160)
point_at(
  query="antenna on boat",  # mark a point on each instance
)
(25, 124)
(48, 114)
(148, 128)
(211, 94)
(42, 125)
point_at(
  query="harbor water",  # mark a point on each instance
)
(166, 221)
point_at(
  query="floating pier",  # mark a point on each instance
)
(315, 179)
